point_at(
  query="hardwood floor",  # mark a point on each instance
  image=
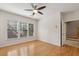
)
(38, 48)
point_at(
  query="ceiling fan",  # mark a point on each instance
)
(36, 9)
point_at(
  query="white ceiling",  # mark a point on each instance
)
(51, 7)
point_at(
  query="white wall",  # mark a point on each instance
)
(4, 17)
(49, 28)
(71, 16)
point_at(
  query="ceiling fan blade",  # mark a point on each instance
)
(40, 12)
(41, 7)
(35, 6)
(28, 9)
(32, 5)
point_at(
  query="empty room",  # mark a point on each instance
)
(39, 29)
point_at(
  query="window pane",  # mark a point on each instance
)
(23, 29)
(12, 29)
(31, 29)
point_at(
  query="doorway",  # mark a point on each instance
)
(70, 33)
(72, 30)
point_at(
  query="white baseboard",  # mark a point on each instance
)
(50, 43)
(11, 42)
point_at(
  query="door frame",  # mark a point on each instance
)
(63, 32)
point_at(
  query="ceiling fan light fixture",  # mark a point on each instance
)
(35, 11)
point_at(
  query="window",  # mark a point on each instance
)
(12, 29)
(23, 29)
(31, 29)
(19, 29)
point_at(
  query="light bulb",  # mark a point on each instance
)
(35, 11)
